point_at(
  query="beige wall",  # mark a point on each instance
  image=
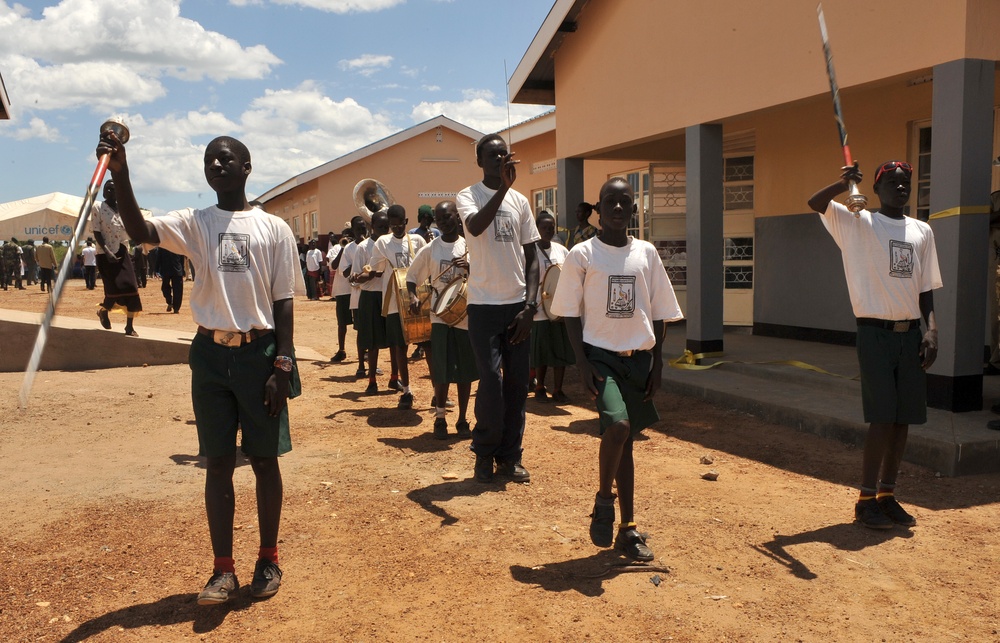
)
(698, 62)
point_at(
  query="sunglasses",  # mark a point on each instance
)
(891, 166)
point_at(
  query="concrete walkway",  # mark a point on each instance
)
(950, 443)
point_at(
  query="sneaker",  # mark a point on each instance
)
(418, 353)
(440, 429)
(339, 357)
(266, 579)
(361, 372)
(541, 395)
(894, 512)
(395, 385)
(633, 544)
(869, 513)
(405, 401)
(105, 321)
(378, 371)
(484, 468)
(219, 588)
(512, 469)
(602, 522)
(372, 389)
(462, 429)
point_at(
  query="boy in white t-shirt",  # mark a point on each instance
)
(394, 252)
(891, 266)
(242, 364)
(615, 297)
(444, 260)
(368, 319)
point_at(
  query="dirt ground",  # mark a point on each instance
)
(386, 537)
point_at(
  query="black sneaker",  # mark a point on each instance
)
(372, 389)
(266, 579)
(339, 357)
(633, 544)
(869, 513)
(395, 385)
(440, 429)
(462, 429)
(484, 468)
(220, 587)
(894, 512)
(405, 401)
(514, 470)
(602, 523)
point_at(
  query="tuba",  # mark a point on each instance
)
(371, 196)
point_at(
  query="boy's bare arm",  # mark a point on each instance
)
(136, 226)
(819, 201)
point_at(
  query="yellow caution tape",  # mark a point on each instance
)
(954, 212)
(689, 361)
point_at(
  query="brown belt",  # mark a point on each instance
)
(233, 339)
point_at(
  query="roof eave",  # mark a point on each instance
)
(533, 81)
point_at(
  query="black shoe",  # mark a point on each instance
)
(372, 389)
(170, 309)
(405, 401)
(869, 513)
(339, 357)
(602, 522)
(560, 398)
(633, 544)
(395, 385)
(361, 372)
(266, 579)
(541, 395)
(102, 314)
(512, 469)
(440, 429)
(894, 512)
(220, 587)
(484, 468)
(418, 353)
(462, 429)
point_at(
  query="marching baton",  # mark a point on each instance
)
(855, 201)
(121, 131)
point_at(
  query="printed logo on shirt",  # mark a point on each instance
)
(402, 260)
(234, 252)
(503, 227)
(447, 270)
(621, 296)
(900, 259)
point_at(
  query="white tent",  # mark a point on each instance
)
(50, 215)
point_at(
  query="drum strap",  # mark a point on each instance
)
(545, 252)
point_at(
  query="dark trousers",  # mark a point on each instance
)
(90, 276)
(503, 381)
(45, 275)
(173, 291)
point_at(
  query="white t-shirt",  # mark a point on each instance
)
(89, 256)
(433, 260)
(617, 292)
(497, 276)
(390, 252)
(348, 262)
(314, 259)
(554, 254)
(245, 261)
(888, 262)
(361, 259)
(340, 285)
(109, 223)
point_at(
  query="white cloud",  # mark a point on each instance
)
(122, 49)
(37, 129)
(332, 6)
(478, 110)
(367, 64)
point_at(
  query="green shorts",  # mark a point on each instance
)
(394, 330)
(452, 359)
(550, 345)
(370, 322)
(344, 315)
(620, 395)
(893, 382)
(227, 391)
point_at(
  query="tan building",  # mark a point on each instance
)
(727, 106)
(426, 163)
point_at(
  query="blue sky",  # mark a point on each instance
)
(300, 81)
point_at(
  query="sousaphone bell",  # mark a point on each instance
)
(371, 196)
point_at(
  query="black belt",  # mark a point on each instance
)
(233, 339)
(902, 326)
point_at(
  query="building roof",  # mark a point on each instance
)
(534, 80)
(4, 102)
(368, 150)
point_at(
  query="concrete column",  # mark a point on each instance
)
(704, 238)
(962, 128)
(569, 175)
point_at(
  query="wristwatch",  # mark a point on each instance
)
(284, 363)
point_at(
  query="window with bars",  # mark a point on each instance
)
(545, 199)
(921, 183)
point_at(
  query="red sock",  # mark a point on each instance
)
(224, 564)
(268, 553)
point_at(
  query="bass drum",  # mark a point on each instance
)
(451, 304)
(549, 283)
(416, 326)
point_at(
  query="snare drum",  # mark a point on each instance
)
(451, 304)
(549, 283)
(416, 326)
